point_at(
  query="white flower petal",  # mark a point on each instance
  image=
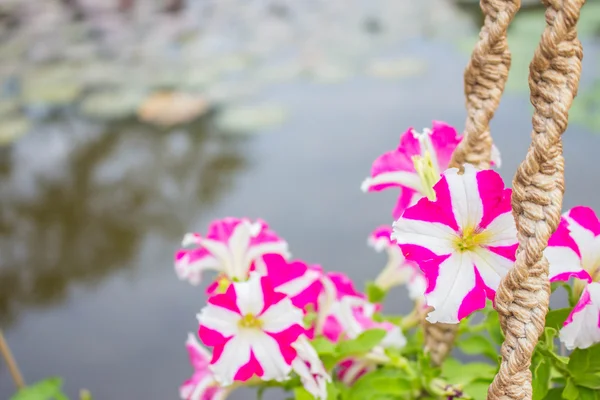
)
(436, 237)
(589, 245)
(235, 355)
(502, 231)
(583, 331)
(455, 280)
(256, 251)
(281, 316)
(267, 352)
(464, 193)
(219, 319)
(404, 178)
(562, 260)
(192, 271)
(238, 244)
(491, 266)
(250, 297)
(300, 284)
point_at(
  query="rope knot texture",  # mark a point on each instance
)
(538, 187)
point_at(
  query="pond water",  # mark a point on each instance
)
(92, 212)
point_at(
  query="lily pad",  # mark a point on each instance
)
(111, 104)
(51, 85)
(228, 92)
(396, 68)
(330, 73)
(172, 108)
(12, 128)
(250, 119)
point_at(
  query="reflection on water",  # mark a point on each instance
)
(75, 201)
(90, 213)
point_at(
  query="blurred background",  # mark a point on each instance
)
(126, 123)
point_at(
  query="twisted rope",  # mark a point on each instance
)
(523, 296)
(485, 78)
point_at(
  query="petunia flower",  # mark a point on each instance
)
(582, 327)
(574, 249)
(252, 329)
(230, 248)
(464, 241)
(310, 369)
(350, 370)
(348, 321)
(397, 168)
(398, 270)
(565, 255)
(296, 279)
(202, 385)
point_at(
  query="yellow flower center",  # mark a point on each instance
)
(223, 284)
(470, 239)
(427, 172)
(250, 321)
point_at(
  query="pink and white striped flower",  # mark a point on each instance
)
(574, 249)
(296, 279)
(582, 327)
(396, 168)
(230, 248)
(252, 329)
(464, 241)
(310, 369)
(202, 385)
(398, 270)
(348, 321)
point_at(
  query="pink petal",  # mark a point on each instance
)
(586, 217)
(495, 199)
(438, 211)
(475, 299)
(444, 140)
(227, 300)
(249, 370)
(428, 262)
(582, 327)
(270, 296)
(344, 285)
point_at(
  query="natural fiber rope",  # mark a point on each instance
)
(538, 186)
(485, 78)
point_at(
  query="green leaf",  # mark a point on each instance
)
(492, 323)
(380, 383)
(362, 344)
(540, 370)
(375, 294)
(554, 394)
(477, 389)
(585, 361)
(302, 394)
(333, 392)
(47, 389)
(476, 344)
(323, 345)
(556, 318)
(588, 394)
(571, 392)
(588, 380)
(463, 374)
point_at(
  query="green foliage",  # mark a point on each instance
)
(47, 389)
(374, 293)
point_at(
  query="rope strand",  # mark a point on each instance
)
(538, 187)
(485, 79)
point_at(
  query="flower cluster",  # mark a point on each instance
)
(265, 308)
(271, 320)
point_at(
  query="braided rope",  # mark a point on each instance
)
(485, 78)
(523, 296)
